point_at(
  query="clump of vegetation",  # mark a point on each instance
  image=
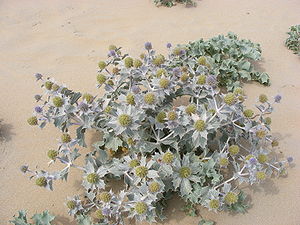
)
(44, 218)
(201, 150)
(229, 58)
(293, 41)
(170, 3)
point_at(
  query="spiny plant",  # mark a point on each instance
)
(229, 58)
(201, 150)
(170, 3)
(293, 41)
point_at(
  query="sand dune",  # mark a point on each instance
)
(65, 39)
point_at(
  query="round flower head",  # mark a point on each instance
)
(149, 98)
(99, 215)
(260, 133)
(253, 160)
(169, 45)
(115, 70)
(158, 60)
(137, 63)
(234, 149)
(38, 76)
(201, 79)
(168, 157)
(182, 51)
(263, 98)
(231, 198)
(248, 113)
(161, 116)
(248, 157)
(102, 65)
(128, 62)
(48, 85)
(191, 109)
(124, 120)
(41, 181)
(108, 109)
(130, 99)
(290, 159)
(223, 162)
(38, 109)
(58, 102)
(32, 121)
(142, 56)
(134, 163)
(104, 196)
(110, 82)
(202, 61)
(141, 171)
(262, 158)
(154, 187)
(229, 99)
(65, 138)
(112, 53)
(148, 46)
(92, 178)
(130, 141)
(199, 125)
(161, 72)
(101, 78)
(55, 87)
(185, 172)
(184, 77)
(177, 51)
(176, 71)
(112, 47)
(71, 204)
(164, 83)
(238, 91)
(214, 204)
(277, 98)
(260, 175)
(52, 154)
(37, 97)
(172, 115)
(135, 89)
(268, 120)
(141, 208)
(88, 97)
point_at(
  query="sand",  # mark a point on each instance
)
(66, 39)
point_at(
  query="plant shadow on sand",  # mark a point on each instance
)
(5, 132)
(62, 220)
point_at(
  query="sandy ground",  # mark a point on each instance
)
(65, 39)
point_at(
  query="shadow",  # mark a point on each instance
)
(174, 210)
(62, 220)
(268, 187)
(5, 131)
(258, 65)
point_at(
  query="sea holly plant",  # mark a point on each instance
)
(228, 57)
(293, 41)
(201, 149)
(170, 3)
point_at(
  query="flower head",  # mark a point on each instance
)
(32, 121)
(148, 46)
(277, 98)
